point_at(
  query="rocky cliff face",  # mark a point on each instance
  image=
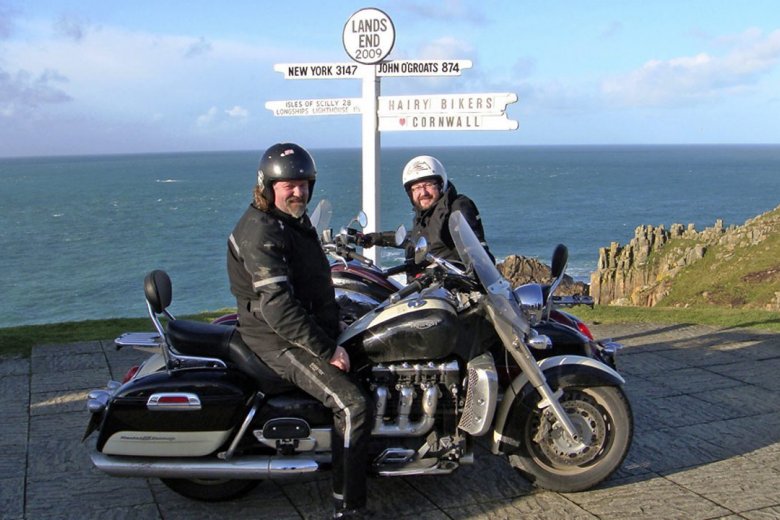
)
(520, 270)
(642, 272)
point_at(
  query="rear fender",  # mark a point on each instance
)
(520, 397)
(155, 363)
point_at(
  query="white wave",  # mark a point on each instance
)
(167, 180)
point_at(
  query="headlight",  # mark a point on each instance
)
(530, 299)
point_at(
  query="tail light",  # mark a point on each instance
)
(571, 321)
(584, 329)
(130, 374)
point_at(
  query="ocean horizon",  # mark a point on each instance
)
(78, 233)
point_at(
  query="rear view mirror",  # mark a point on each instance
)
(420, 251)
(559, 260)
(362, 219)
(400, 235)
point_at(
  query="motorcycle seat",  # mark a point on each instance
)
(194, 338)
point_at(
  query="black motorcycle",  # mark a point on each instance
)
(207, 417)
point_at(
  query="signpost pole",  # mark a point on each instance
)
(371, 147)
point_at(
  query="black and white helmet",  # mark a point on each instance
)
(285, 162)
(421, 168)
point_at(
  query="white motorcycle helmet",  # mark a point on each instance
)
(421, 168)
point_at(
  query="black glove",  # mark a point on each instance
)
(370, 240)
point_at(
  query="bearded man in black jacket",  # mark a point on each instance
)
(288, 313)
(434, 199)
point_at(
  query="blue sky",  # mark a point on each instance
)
(96, 76)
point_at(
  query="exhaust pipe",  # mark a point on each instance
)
(247, 468)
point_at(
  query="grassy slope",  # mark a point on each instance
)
(747, 277)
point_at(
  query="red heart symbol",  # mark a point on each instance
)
(402, 121)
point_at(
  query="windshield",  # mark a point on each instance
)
(505, 313)
(473, 254)
(320, 217)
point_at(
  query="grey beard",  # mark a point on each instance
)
(296, 210)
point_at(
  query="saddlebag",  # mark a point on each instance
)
(187, 413)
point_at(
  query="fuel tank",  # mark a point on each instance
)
(419, 327)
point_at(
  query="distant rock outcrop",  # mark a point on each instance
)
(520, 270)
(642, 272)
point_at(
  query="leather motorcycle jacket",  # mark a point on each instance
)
(433, 224)
(281, 280)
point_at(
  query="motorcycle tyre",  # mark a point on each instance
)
(545, 474)
(206, 490)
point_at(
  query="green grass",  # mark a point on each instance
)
(706, 315)
(748, 276)
(15, 341)
(19, 341)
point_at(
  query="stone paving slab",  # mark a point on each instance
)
(707, 444)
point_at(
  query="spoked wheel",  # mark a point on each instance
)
(210, 490)
(551, 460)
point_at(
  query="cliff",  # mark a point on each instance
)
(738, 266)
(520, 270)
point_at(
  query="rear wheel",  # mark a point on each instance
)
(210, 490)
(603, 419)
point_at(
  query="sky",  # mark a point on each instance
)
(103, 77)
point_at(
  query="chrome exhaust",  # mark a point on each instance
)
(247, 468)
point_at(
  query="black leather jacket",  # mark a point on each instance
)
(281, 280)
(433, 224)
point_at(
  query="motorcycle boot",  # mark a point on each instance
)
(340, 511)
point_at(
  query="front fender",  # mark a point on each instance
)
(520, 397)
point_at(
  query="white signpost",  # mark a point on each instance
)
(315, 107)
(368, 38)
(318, 70)
(422, 67)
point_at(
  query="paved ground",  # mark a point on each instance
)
(707, 444)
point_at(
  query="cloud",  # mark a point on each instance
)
(70, 27)
(21, 92)
(6, 21)
(200, 47)
(206, 119)
(698, 78)
(216, 119)
(237, 112)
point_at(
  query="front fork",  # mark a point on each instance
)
(501, 312)
(550, 399)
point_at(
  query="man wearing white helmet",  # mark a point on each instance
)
(434, 198)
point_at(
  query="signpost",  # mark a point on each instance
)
(422, 67)
(315, 107)
(368, 38)
(318, 70)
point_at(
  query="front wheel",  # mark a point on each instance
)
(603, 419)
(210, 490)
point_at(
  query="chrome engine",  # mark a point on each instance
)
(420, 409)
(407, 396)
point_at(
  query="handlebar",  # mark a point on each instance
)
(354, 255)
(413, 287)
(571, 301)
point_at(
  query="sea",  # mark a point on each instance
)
(79, 233)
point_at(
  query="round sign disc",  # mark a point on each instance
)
(369, 36)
